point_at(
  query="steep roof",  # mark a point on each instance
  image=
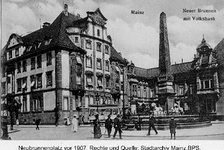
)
(56, 31)
(154, 72)
(115, 56)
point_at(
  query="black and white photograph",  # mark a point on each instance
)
(112, 70)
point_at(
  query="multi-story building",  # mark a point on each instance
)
(193, 87)
(70, 63)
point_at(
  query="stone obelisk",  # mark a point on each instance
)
(165, 79)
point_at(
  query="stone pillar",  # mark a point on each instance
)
(164, 51)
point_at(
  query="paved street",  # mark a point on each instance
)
(46, 132)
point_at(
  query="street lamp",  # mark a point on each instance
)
(97, 100)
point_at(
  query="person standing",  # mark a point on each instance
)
(74, 124)
(173, 127)
(96, 128)
(117, 126)
(151, 124)
(108, 125)
(37, 123)
(56, 114)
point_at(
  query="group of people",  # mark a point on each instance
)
(172, 126)
(108, 125)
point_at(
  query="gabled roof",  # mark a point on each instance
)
(56, 31)
(97, 11)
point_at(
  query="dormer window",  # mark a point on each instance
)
(47, 42)
(39, 45)
(76, 39)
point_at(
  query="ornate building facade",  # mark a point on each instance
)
(72, 63)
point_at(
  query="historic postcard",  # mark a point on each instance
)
(113, 71)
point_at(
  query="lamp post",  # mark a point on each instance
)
(124, 115)
(97, 102)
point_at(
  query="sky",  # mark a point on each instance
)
(135, 36)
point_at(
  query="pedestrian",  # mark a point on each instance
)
(37, 123)
(173, 127)
(56, 114)
(74, 124)
(108, 125)
(117, 126)
(151, 124)
(96, 128)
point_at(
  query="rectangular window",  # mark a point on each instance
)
(24, 105)
(107, 65)
(78, 79)
(66, 104)
(98, 46)
(49, 58)
(19, 85)
(106, 49)
(181, 90)
(79, 60)
(33, 59)
(49, 78)
(17, 52)
(10, 54)
(39, 61)
(89, 80)
(99, 82)
(86, 101)
(82, 43)
(3, 87)
(206, 82)
(36, 103)
(99, 64)
(24, 66)
(24, 84)
(89, 61)
(76, 39)
(191, 89)
(88, 44)
(98, 32)
(32, 82)
(91, 100)
(145, 93)
(39, 80)
(107, 82)
(19, 67)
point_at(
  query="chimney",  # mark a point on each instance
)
(66, 9)
(46, 24)
(164, 51)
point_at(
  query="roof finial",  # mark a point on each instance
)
(66, 9)
(203, 39)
